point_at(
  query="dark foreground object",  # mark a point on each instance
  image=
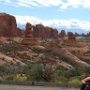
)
(85, 86)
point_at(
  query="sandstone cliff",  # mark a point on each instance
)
(43, 32)
(8, 26)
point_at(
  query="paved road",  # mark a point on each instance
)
(16, 87)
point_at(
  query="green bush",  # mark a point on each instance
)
(9, 47)
(74, 82)
(20, 78)
(60, 80)
(10, 77)
(16, 78)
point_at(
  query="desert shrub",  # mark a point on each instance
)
(41, 71)
(10, 77)
(80, 71)
(37, 50)
(16, 77)
(60, 80)
(20, 78)
(72, 73)
(24, 57)
(6, 69)
(11, 69)
(9, 47)
(74, 82)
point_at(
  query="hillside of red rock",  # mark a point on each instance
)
(40, 43)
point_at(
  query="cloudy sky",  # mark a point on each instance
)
(56, 13)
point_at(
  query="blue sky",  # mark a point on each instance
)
(56, 13)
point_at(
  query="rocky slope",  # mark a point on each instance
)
(40, 43)
(6, 59)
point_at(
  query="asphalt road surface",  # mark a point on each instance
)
(16, 87)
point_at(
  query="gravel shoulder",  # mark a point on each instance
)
(17, 87)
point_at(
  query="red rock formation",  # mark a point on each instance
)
(28, 31)
(29, 39)
(62, 34)
(20, 32)
(88, 34)
(71, 37)
(55, 33)
(38, 31)
(8, 26)
(43, 32)
(50, 32)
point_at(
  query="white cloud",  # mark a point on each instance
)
(45, 3)
(57, 23)
(25, 19)
(8, 1)
(86, 3)
(22, 4)
(48, 3)
(72, 3)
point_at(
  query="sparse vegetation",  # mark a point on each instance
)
(9, 47)
(40, 70)
(74, 82)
